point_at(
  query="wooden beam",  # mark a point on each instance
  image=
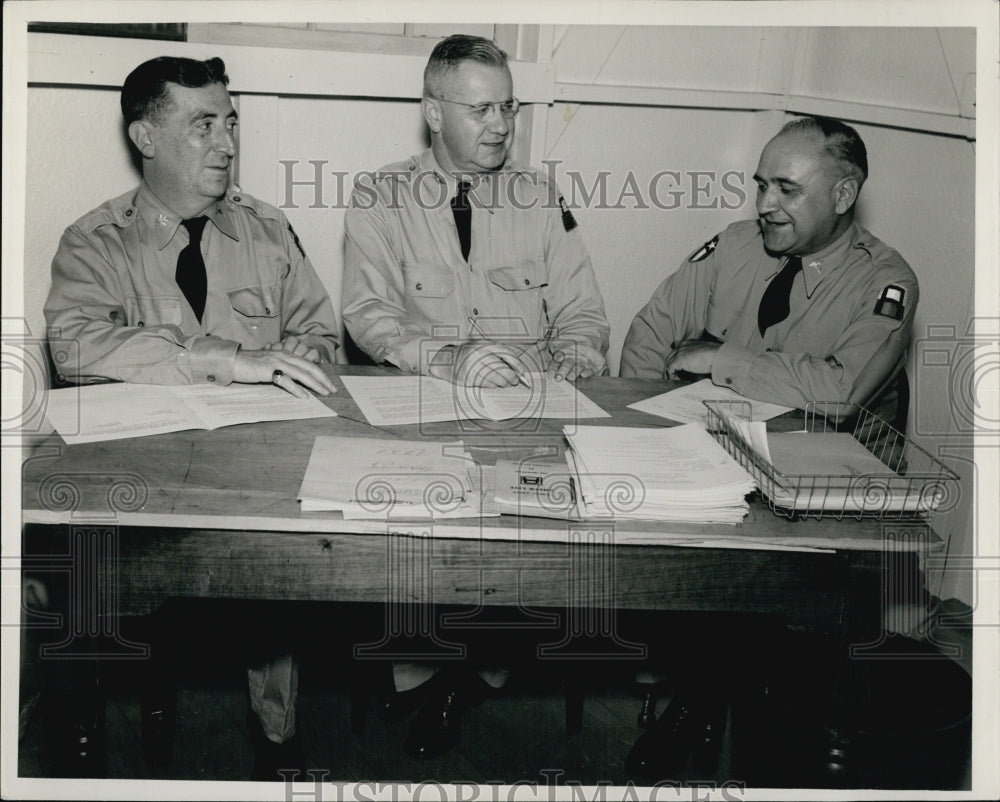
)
(867, 113)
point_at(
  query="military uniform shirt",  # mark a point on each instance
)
(116, 312)
(408, 291)
(838, 342)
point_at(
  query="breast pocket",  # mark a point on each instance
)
(255, 319)
(521, 277)
(517, 293)
(727, 322)
(144, 310)
(425, 281)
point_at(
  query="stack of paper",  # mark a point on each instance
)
(830, 471)
(833, 471)
(366, 477)
(676, 474)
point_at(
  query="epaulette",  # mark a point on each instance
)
(398, 171)
(118, 211)
(237, 197)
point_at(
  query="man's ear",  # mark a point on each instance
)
(432, 114)
(845, 194)
(139, 131)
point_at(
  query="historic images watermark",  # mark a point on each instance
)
(313, 184)
(552, 786)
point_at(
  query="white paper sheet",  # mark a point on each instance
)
(97, 412)
(684, 404)
(400, 400)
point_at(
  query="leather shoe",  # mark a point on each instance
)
(397, 705)
(270, 758)
(690, 724)
(436, 727)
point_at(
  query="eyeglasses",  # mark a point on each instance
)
(481, 111)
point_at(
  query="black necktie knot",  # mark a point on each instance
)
(195, 226)
(774, 303)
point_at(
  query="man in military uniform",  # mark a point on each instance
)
(461, 263)
(799, 305)
(466, 266)
(187, 280)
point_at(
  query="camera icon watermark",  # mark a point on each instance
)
(28, 369)
(482, 399)
(33, 366)
(966, 363)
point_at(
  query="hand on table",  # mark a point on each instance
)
(291, 373)
(296, 346)
(572, 360)
(692, 356)
(479, 363)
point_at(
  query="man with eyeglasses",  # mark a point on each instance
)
(464, 265)
(461, 263)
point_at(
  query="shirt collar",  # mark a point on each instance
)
(164, 223)
(816, 266)
(428, 163)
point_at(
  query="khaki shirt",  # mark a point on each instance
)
(408, 291)
(837, 344)
(116, 312)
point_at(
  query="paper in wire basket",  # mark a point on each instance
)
(845, 462)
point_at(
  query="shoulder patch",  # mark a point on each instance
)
(890, 302)
(704, 251)
(298, 244)
(569, 222)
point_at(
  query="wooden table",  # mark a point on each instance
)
(214, 514)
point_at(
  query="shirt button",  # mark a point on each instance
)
(253, 326)
(420, 286)
(140, 324)
(527, 281)
(236, 198)
(728, 380)
(211, 377)
(725, 332)
(267, 310)
(128, 212)
(475, 311)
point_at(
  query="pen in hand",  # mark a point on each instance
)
(516, 367)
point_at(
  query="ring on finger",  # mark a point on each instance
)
(276, 375)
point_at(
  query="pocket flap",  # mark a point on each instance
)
(253, 302)
(526, 275)
(427, 281)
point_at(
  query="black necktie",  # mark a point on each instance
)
(190, 275)
(774, 304)
(463, 217)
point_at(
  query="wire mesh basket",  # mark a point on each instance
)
(883, 474)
